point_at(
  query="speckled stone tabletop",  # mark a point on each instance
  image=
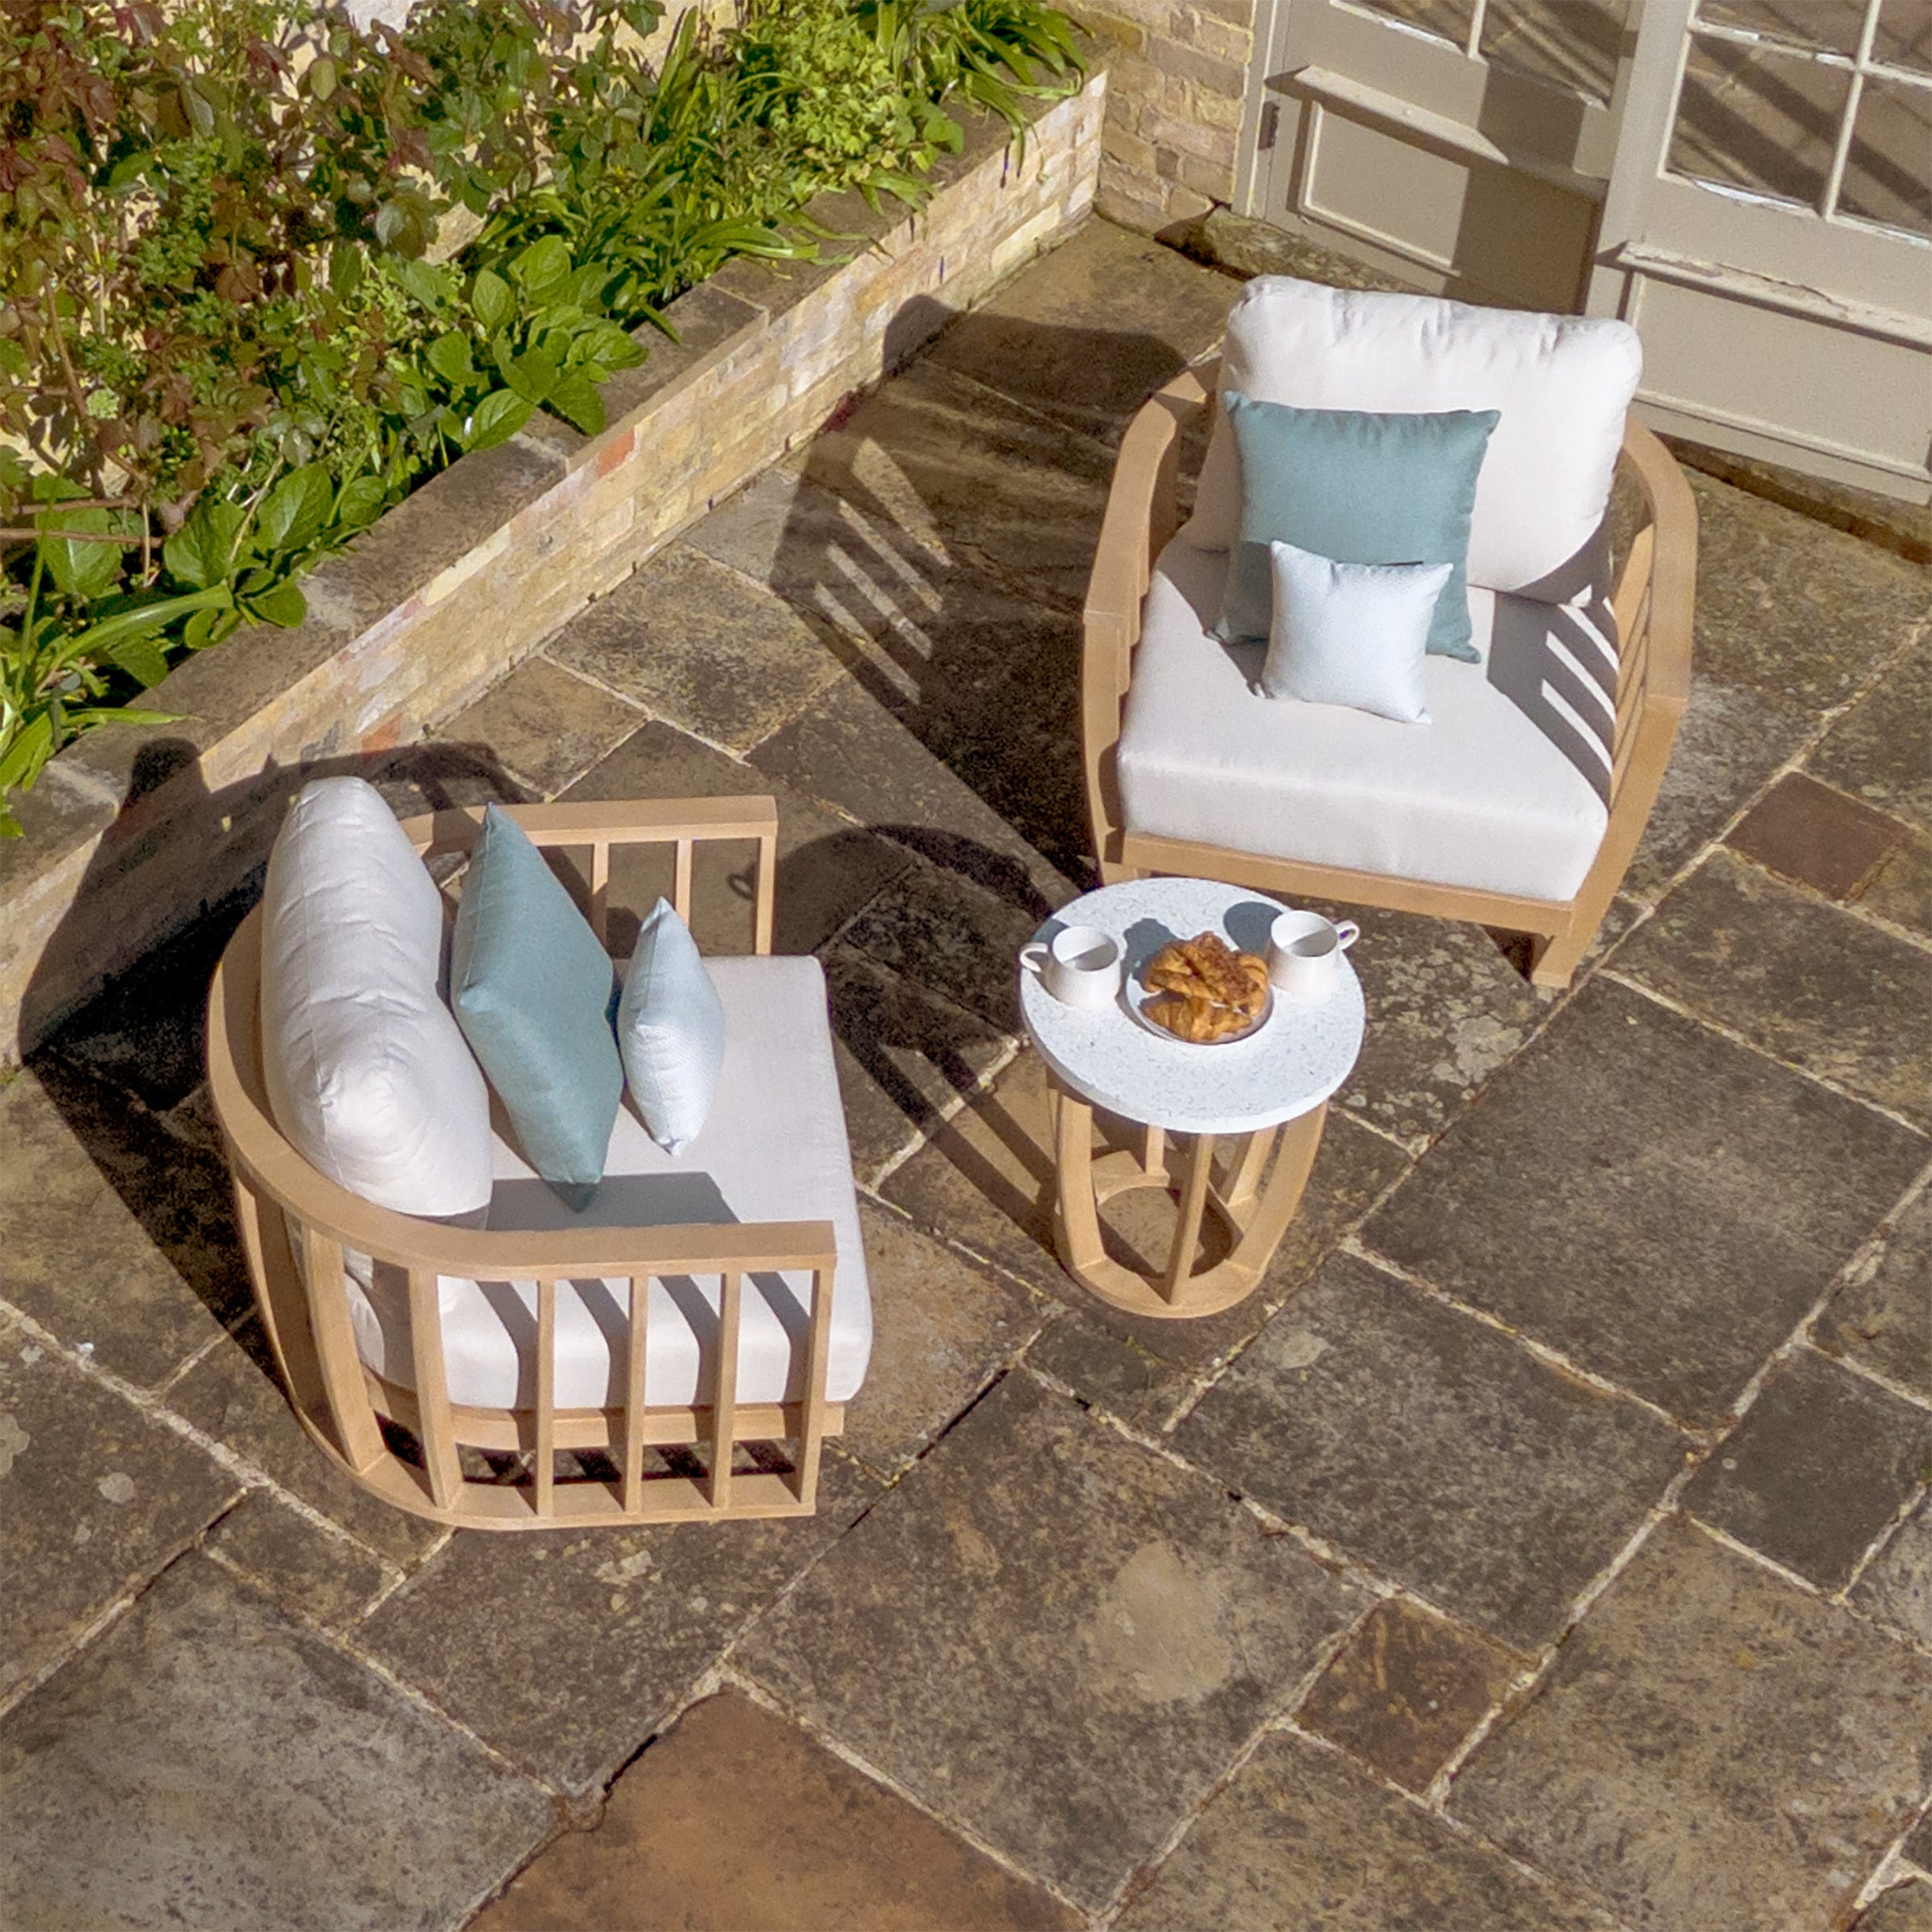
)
(1293, 1063)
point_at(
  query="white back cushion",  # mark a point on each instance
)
(367, 1072)
(1563, 384)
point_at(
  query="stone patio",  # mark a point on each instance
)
(1547, 1545)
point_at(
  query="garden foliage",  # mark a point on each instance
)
(227, 341)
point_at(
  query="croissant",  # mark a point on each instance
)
(1206, 991)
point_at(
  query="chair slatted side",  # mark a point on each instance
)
(545, 1472)
(637, 1353)
(812, 1437)
(438, 1425)
(680, 884)
(725, 1389)
(335, 1349)
(600, 893)
(767, 889)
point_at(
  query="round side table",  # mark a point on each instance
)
(1266, 1095)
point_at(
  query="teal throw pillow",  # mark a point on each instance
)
(1359, 488)
(533, 992)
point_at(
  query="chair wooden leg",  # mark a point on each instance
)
(1554, 959)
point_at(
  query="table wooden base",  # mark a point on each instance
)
(1257, 1215)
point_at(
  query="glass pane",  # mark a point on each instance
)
(1757, 119)
(1904, 35)
(1451, 19)
(1889, 166)
(1834, 24)
(1570, 43)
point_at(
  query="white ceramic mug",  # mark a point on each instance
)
(1305, 953)
(1080, 967)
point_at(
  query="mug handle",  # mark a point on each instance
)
(1033, 957)
(1347, 933)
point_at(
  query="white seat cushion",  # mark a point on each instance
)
(1504, 792)
(772, 1148)
(1561, 383)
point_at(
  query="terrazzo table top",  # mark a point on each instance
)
(1293, 1064)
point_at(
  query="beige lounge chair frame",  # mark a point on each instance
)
(283, 1203)
(1652, 605)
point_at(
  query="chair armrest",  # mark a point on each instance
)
(1141, 502)
(1142, 513)
(1658, 587)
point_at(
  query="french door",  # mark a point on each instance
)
(1769, 230)
(1748, 181)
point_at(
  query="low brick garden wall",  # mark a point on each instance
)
(132, 833)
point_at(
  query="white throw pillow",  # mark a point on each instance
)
(1561, 383)
(670, 1030)
(1351, 634)
(368, 1074)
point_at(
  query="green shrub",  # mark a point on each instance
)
(224, 345)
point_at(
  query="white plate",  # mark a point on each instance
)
(1139, 996)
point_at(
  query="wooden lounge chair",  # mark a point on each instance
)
(1604, 683)
(319, 1256)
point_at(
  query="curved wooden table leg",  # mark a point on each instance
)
(1258, 1215)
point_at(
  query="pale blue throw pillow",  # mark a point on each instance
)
(1358, 487)
(1351, 634)
(533, 991)
(670, 1029)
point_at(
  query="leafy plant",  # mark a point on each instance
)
(225, 342)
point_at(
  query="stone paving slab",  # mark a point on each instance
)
(1120, 317)
(828, 867)
(859, 572)
(235, 1394)
(1448, 1009)
(1900, 892)
(1897, 1588)
(1816, 836)
(972, 479)
(1043, 1607)
(942, 1329)
(95, 1498)
(546, 725)
(1711, 1748)
(1796, 609)
(210, 1763)
(1406, 1690)
(1820, 1466)
(313, 1573)
(1877, 750)
(951, 934)
(1145, 1372)
(702, 647)
(1437, 1449)
(905, 1054)
(850, 749)
(1657, 1203)
(1301, 1838)
(147, 1035)
(1729, 743)
(566, 1651)
(131, 1245)
(735, 1820)
(1828, 992)
(1905, 1907)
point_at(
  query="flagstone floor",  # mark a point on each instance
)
(1547, 1545)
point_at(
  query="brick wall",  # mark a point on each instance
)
(1178, 69)
(131, 832)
